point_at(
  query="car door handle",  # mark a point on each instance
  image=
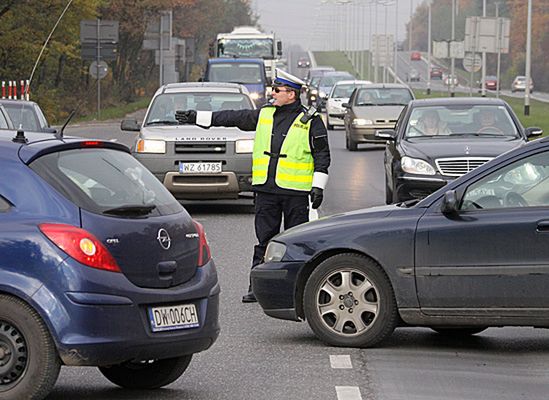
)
(543, 226)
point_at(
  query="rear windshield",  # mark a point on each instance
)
(105, 181)
(23, 114)
(163, 108)
(382, 96)
(251, 73)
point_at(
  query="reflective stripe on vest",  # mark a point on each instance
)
(295, 171)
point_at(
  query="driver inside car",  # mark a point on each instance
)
(488, 122)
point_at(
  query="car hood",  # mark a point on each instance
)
(255, 88)
(457, 147)
(194, 133)
(377, 112)
(339, 220)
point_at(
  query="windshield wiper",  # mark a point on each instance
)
(166, 122)
(366, 104)
(130, 210)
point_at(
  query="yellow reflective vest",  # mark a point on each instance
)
(295, 165)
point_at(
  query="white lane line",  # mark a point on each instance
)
(341, 361)
(348, 393)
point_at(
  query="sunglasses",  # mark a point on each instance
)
(278, 90)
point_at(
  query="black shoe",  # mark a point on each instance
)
(249, 298)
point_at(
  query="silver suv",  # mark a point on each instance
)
(192, 162)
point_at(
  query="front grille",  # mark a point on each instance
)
(459, 166)
(201, 147)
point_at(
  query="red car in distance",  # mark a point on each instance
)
(415, 56)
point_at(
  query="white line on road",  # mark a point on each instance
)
(341, 361)
(348, 393)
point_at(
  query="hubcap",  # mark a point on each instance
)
(13, 354)
(347, 302)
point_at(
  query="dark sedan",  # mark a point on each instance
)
(470, 256)
(438, 140)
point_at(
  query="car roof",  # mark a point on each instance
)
(38, 143)
(386, 86)
(207, 87)
(356, 81)
(447, 101)
(15, 101)
(235, 60)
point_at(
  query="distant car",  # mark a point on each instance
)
(327, 81)
(415, 56)
(317, 71)
(450, 80)
(371, 108)
(491, 82)
(470, 131)
(519, 84)
(468, 257)
(413, 75)
(28, 114)
(100, 266)
(312, 79)
(340, 94)
(196, 163)
(436, 73)
(303, 63)
(249, 72)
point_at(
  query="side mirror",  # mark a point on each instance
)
(533, 131)
(130, 125)
(50, 130)
(449, 203)
(346, 105)
(387, 134)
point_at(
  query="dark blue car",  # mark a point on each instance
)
(99, 266)
(472, 255)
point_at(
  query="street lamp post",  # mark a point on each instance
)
(452, 70)
(528, 59)
(429, 51)
(483, 78)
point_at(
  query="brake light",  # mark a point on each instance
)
(80, 245)
(204, 254)
(92, 143)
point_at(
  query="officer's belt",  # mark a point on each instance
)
(275, 155)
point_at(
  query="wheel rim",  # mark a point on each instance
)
(347, 302)
(13, 355)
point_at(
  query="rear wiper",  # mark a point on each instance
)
(167, 122)
(130, 210)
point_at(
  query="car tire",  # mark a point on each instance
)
(147, 374)
(459, 331)
(29, 359)
(348, 275)
(350, 143)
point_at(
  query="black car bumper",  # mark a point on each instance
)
(274, 286)
(410, 186)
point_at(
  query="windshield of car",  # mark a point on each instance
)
(162, 110)
(3, 121)
(344, 91)
(474, 120)
(252, 48)
(99, 180)
(315, 80)
(524, 183)
(382, 97)
(236, 73)
(22, 114)
(331, 80)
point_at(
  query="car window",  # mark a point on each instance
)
(164, 106)
(22, 114)
(329, 81)
(4, 205)
(475, 120)
(3, 121)
(102, 179)
(345, 90)
(524, 183)
(236, 73)
(382, 96)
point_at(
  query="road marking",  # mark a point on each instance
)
(341, 361)
(348, 393)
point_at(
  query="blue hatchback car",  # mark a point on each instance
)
(99, 266)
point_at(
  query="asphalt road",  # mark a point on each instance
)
(258, 358)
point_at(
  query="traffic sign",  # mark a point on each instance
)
(472, 64)
(99, 70)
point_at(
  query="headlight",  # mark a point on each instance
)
(244, 146)
(362, 122)
(275, 251)
(151, 146)
(322, 94)
(254, 96)
(314, 91)
(416, 166)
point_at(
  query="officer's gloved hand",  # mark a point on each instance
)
(186, 117)
(317, 194)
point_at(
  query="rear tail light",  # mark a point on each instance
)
(80, 245)
(204, 254)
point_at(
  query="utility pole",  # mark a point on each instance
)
(429, 51)
(411, 18)
(528, 60)
(452, 70)
(483, 79)
(395, 61)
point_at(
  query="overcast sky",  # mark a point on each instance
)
(316, 24)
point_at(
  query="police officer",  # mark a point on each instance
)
(290, 159)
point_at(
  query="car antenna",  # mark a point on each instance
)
(59, 135)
